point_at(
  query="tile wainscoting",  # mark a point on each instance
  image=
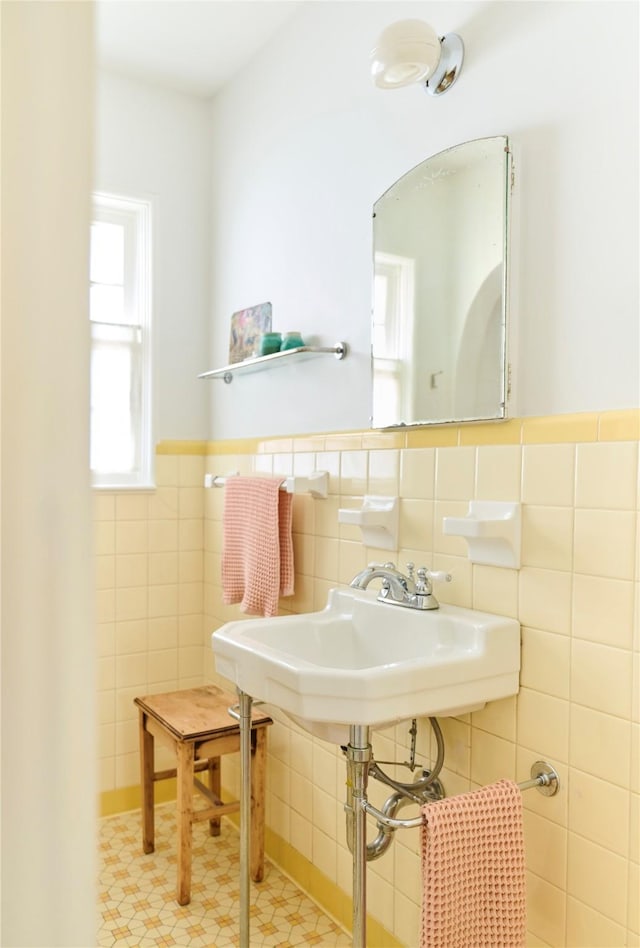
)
(576, 597)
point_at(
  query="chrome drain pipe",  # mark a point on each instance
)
(358, 759)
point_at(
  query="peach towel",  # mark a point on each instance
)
(257, 556)
(473, 870)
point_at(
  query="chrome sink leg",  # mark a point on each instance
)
(358, 758)
(245, 814)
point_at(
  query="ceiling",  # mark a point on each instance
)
(193, 46)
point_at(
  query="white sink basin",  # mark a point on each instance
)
(359, 661)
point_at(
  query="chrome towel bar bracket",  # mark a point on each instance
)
(543, 777)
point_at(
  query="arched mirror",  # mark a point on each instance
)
(440, 275)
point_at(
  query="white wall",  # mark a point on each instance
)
(48, 646)
(304, 144)
(154, 142)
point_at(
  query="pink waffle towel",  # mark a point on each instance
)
(473, 870)
(257, 556)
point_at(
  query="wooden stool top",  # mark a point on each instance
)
(196, 713)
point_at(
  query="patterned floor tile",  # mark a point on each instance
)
(137, 906)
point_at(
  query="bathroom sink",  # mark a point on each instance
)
(360, 661)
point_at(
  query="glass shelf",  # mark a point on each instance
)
(227, 372)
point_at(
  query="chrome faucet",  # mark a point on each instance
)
(399, 589)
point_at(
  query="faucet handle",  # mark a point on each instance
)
(427, 576)
(410, 568)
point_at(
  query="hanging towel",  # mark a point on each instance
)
(257, 556)
(473, 870)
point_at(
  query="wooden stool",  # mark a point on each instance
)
(196, 724)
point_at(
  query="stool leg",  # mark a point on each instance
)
(258, 774)
(184, 819)
(146, 780)
(214, 786)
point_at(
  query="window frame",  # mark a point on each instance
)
(136, 215)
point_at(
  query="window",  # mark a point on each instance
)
(120, 315)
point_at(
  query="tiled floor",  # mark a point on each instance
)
(137, 893)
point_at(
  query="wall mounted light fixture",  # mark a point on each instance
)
(411, 51)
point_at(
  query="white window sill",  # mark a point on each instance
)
(130, 488)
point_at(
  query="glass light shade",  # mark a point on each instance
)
(406, 52)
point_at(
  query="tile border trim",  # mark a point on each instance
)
(623, 425)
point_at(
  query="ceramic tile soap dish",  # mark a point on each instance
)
(492, 530)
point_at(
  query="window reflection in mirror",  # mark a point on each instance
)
(440, 308)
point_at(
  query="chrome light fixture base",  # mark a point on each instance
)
(449, 66)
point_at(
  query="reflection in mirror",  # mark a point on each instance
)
(439, 312)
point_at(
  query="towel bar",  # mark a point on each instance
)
(543, 777)
(316, 483)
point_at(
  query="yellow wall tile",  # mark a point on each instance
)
(589, 799)
(327, 558)
(607, 475)
(191, 470)
(104, 505)
(131, 670)
(130, 636)
(587, 928)
(354, 472)
(104, 538)
(432, 437)
(131, 603)
(189, 598)
(163, 504)
(131, 570)
(351, 560)
(190, 535)
(498, 718)
(560, 428)
(417, 473)
(105, 572)
(325, 517)
(181, 447)
(132, 506)
(543, 721)
(499, 432)
(166, 470)
(620, 425)
(546, 910)
(600, 745)
(545, 848)
(548, 474)
(634, 904)
(546, 662)
(455, 473)
(384, 468)
(163, 667)
(545, 599)
(601, 677)
(547, 535)
(105, 605)
(383, 440)
(605, 543)
(163, 601)
(597, 877)
(495, 590)
(499, 472)
(131, 536)
(603, 610)
(416, 524)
